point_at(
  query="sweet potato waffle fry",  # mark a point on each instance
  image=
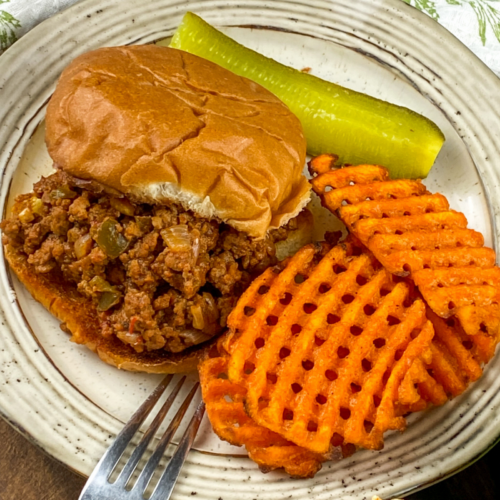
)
(325, 350)
(414, 233)
(225, 408)
(457, 358)
(333, 347)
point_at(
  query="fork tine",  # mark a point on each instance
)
(130, 466)
(169, 477)
(112, 455)
(148, 471)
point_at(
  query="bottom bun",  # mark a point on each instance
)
(79, 317)
(298, 237)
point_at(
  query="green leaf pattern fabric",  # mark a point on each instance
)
(8, 26)
(475, 22)
(487, 13)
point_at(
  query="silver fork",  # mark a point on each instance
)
(98, 486)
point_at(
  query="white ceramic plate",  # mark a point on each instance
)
(71, 404)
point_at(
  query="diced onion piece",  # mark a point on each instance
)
(26, 216)
(123, 206)
(198, 319)
(177, 238)
(134, 339)
(83, 246)
(210, 300)
(63, 193)
(213, 311)
(196, 249)
(36, 205)
(194, 337)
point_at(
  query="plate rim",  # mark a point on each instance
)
(394, 4)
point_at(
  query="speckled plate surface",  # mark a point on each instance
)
(71, 405)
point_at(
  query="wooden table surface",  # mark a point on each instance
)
(26, 473)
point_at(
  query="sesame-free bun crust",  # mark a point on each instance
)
(160, 124)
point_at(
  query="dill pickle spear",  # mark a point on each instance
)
(356, 127)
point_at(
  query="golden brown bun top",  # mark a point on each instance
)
(160, 124)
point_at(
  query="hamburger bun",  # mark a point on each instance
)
(160, 124)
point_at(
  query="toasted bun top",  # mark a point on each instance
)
(159, 124)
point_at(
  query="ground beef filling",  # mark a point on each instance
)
(160, 277)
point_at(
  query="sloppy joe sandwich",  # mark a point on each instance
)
(176, 182)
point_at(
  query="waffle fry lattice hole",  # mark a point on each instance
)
(412, 232)
(224, 404)
(323, 348)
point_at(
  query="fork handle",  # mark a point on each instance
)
(169, 477)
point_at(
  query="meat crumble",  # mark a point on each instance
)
(159, 276)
